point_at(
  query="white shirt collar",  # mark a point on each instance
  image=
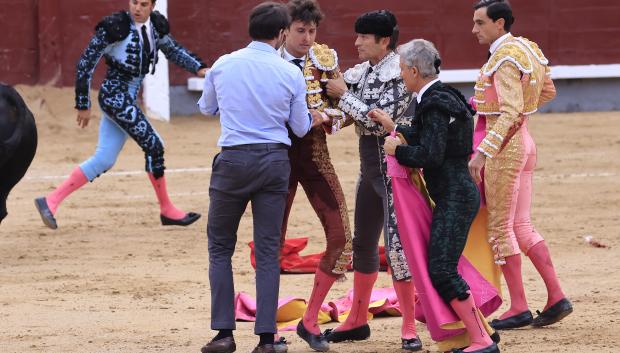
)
(288, 57)
(147, 24)
(424, 89)
(498, 41)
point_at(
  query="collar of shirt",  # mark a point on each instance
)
(498, 41)
(423, 89)
(382, 62)
(148, 25)
(262, 46)
(288, 57)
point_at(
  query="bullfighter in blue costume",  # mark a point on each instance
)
(129, 41)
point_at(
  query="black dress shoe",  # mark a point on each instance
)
(355, 334)
(516, 321)
(45, 212)
(224, 345)
(493, 348)
(280, 346)
(555, 313)
(412, 344)
(316, 342)
(189, 218)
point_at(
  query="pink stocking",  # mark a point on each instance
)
(362, 289)
(405, 291)
(514, 281)
(539, 254)
(468, 313)
(166, 207)
(76, 180)
(322, 284)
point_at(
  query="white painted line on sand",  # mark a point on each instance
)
(208, 171)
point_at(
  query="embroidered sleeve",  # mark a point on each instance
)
(179, 55)
(394, 101)
(409, 133)
(510, 96)
(429, 147)
(86, 66)
(338, 119)
(548, 91)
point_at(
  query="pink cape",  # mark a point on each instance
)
(414, 217)
(291, 309)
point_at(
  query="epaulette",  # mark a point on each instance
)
(516, 52)
(324, 58)
(534, 49)
(160, 22)
(354, 75)
(390, 70)
(116, 26)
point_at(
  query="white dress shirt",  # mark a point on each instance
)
(149, 31)
(256, 94)
(289, 57)
(498, 41)
(424, 89)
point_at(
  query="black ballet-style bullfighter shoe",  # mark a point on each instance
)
(516, 321)
(189, 218)
(316, 342)
(411, 344)
(355, 334)
(493, 348)
(555, 313)
(46, 214)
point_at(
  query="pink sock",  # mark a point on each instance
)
(322, 284)
(468, 313)
(362, 289)
(540, 257)
(76, 180)
(405, 291)
(166, 207)
(514, 281)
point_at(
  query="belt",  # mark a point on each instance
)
(258, 147)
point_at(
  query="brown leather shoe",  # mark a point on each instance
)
(266, 348)
(224, 345)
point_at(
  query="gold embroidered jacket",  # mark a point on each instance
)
(321, 65)
(513, 83)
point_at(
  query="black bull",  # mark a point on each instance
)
(18, 142)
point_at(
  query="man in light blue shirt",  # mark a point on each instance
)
(257, 94)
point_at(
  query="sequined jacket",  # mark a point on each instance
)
(378, 86)
(321, 65)
(513, 83)
(117, 39)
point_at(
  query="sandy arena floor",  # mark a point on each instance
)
(111, 279)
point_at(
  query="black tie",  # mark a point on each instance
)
(146, 51)
(298, 62)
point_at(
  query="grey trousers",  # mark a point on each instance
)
(258, 174)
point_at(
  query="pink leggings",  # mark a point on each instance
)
(508, 188)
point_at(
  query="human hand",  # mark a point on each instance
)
(83, 116)
(381, 117)
(390, 145)
(318, 117)
(476, 165)
(202, 72)
(336, 87)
